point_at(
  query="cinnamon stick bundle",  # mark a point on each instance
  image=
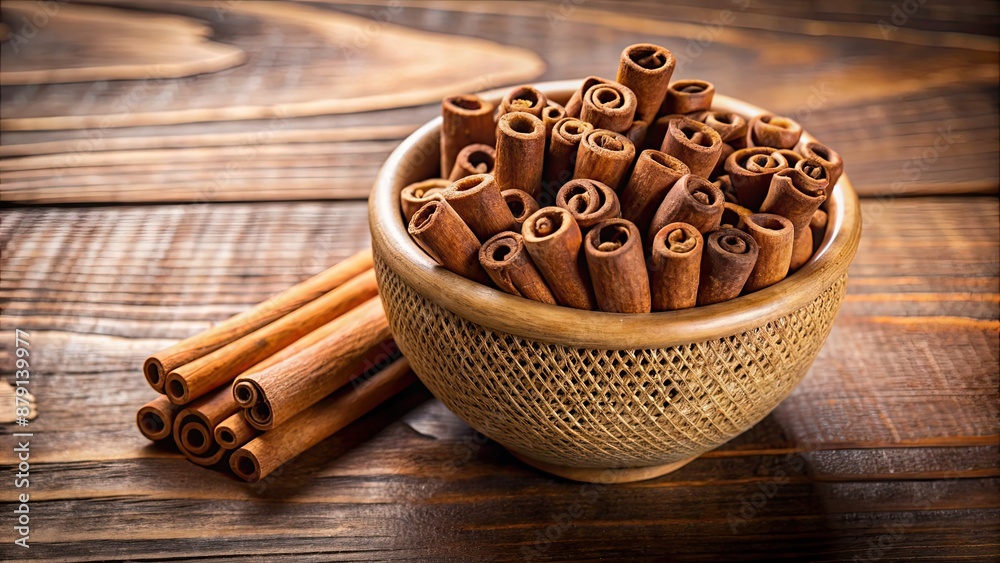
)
(617, 268)
(521, 206)
(155, 419)
(157, 366)
(795, 195)
(478, 201)
(675, 267)
(609, 106)
(473, 159)
(646, 69)
(654, 174)
(575, 104)
(694, 144)
(193, 427)
(520, 153)
(465, 120)
(774, 235)
(443, 235)
(828, 157)
(604, 156)
(234, 432)
(561, 159)
(262, 455)
(194, 379)
(688, 96)
(415, 195)
(524, 98)
(509, 265)
(553, 239)
(750, 170)
(773, 131)
(726, 263)
(692, 200)
(589, 201)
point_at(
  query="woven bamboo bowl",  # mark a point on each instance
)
(596, 396)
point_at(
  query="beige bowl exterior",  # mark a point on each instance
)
(577, 392)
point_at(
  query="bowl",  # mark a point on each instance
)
(594, 396)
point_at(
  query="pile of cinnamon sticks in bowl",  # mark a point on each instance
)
(267, 384)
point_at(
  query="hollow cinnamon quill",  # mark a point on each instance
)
(653, 176)
(524, 98)
(473, 159)
(520, 153)
(443, 235)
(155, 419)
(589, 201)
(773, 131)
(478, 201)
(511, 268)
(604, 156)
(234, 431)
(609, 106)
(521, 206)
(692, 200)
(795, 195)
(750, 171)
(774, 235)
(726, 263)
(695, 144)
(688, 96)
(465, 120)
(831, 160)
(415, 195)
(675, 267)
(575, 104)
(553, 239)
(193, 426)
(646, 70)
(617, 268)
(561, 158)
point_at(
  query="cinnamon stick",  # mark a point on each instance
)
(589, 201)
(194, 379)
(609, 106)
(688, 96)
(615, 261)
(415, 195)
(829, 157)
(520, 153)
(193, 426)
(575, 103)
(262, 455)
(561, 158)
(730, 126)
(465, 120)
(473, 159)
(694, 144)
(774, 235)
(726, 263)
(509, 265)
(157, 366)
(553, 239)
(604, 156)
(816, 170)
(646, 69)
(692, 200)
(478, 201)
(654, 174)
(521, 206)
(524, 98)
(818, 227)
(155, 419)
(773, 131)
(551, 115)
(675, 267)
(234, 431)
(443, 235)
(802, 249)
(795, 195)
(750, 171)
(657, 131)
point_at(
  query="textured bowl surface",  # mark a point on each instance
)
(593, 390)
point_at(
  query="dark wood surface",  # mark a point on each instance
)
(120, 238)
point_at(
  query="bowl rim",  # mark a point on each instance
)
(500, 311)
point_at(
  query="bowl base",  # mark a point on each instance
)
(604, 476)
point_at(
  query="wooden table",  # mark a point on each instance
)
(164, 168)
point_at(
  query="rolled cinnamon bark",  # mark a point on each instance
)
(726, 263)
(604, 156)
(791, 157)
(829, 157)
(414, 196)
(802, 249)
(654, 174)
(521, 206)
(465, 120)
(617, 268)
(675, 267)
(688, 96)
(194, 379)
(478, 201)
(520, 154)
(551, 115)
(553, 239)
(750, 171)
(646, 69)
(262, 455)
(733, 215)
(818, 227)
(694, 144)
(473, 159)
(443, 235)
(609, 106)
(193, 425)
(157, 366)
(816, 170)
(575, 103)
(730, 126)
(774, 235)
(773, 131)
(692, 200)
(589, 201)
(155, 419)
(508, 263)
(794, 195)
(234, 431)
(561, 158)
(657, 131)
(524, 98)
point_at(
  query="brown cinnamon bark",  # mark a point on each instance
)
(773, 131)
(815, 169)
(553, 239)
(694, 144)
(473, 159)
(692, 200)
(155, 419)
(609, 106)
(675, 267)
(465, 120)
(234, 431)
(589, 201)
(794, 195)
(726, 263)
(524, 98)
(509, 265)
(521, 206)
(654, 174)
(646, 69)
(575, 103)
(802, 249)
(478, 201)
(657, 131)
(414, 196)
(730, 126)
(604, 156)
(637, 132)
(750, 171)
(193, 426)
(774, 235)
(733, 215)
(829, 157)
(520, 154)
(561, 159)
(818, 227)
(791, 157)
(551, 115)
(443, 235)
(617, 268)
(688, 96)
